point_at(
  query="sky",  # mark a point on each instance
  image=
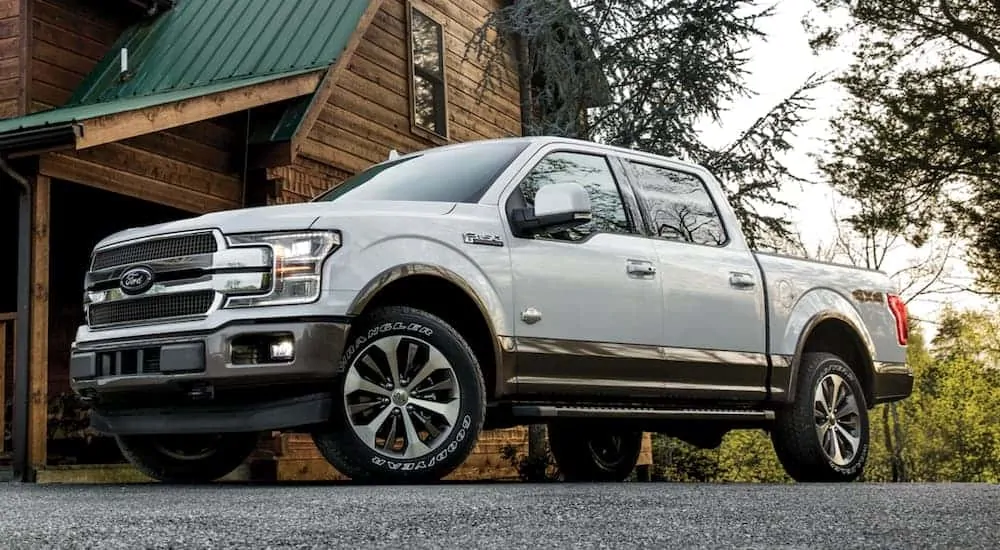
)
(779, 64)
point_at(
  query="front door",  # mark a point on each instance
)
(714, 325)
(587, 301)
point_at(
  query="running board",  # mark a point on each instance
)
(549, 411)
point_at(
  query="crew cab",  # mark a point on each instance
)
(601, 291)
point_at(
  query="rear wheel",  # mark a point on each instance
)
(410, 403)
(824, 435)
(188, 458)
(591, 453)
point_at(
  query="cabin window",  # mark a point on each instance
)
(427, 82)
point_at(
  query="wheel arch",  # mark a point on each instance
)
(837, 333)
(444, 293)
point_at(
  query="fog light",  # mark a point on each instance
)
(262, 348)
(282, 350)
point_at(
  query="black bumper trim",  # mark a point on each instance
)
(891, 387)
(215, 418)
(337, 319)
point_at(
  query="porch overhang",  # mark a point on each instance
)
(80, 127)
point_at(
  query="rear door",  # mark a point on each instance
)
(714, 317)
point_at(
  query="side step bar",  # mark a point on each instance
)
(550, 411)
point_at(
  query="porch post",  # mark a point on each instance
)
(38, 412)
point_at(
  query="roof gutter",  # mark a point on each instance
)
(22, 389)
(33, 140)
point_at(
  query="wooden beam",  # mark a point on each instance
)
(38, 379)
(119, 126)
(325, 89)
(72, 168)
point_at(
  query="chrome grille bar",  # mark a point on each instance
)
(155, 249)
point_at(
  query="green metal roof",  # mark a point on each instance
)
(206, 46)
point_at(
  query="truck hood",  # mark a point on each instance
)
(286, 217)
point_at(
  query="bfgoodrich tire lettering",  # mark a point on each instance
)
(824, 435)
(409, 401)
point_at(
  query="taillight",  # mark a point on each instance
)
(898, 308)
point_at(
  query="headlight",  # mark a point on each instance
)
(297, 264)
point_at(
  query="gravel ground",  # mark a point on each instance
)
(558, 515)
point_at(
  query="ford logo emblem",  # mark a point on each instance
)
(136, 280)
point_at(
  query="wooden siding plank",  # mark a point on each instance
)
(54, 75)
(9, 27)
(213, 133)
(49, 94)
(10, 47)
(10, 8)
(71, 61)
(9, 108)
(184, 149)
(73, 18)
(69, 41)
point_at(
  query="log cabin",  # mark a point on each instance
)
(117, 113)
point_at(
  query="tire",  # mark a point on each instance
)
(445, 421)
(803, 440)
(188, 458)
(585, 453)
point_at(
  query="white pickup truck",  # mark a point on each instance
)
(601, 291)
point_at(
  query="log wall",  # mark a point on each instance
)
(368, 113)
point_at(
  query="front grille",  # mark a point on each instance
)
(155, 249)
(151, 308)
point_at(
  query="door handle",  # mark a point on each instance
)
(640, 267)
(741, 280)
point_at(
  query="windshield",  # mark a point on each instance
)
(450, 175)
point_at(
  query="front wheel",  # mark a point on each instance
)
(410, 403)
(824, 435)
(188, 458)
(586, 453)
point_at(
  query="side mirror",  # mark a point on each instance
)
(558, 207)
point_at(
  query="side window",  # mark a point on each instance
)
(679, 205)
(427, 82)
(593, 173)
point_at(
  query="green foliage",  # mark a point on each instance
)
(919, 135)
(643, 74)
(744, 456)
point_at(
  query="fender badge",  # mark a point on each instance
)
(482, 238)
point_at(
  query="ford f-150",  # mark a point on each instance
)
(601, 291)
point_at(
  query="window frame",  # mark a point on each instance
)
(637, 224)
(413, 71)
(647, 220)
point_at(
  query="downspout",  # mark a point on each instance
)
(22, 393)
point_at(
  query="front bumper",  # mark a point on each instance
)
(192, 382)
